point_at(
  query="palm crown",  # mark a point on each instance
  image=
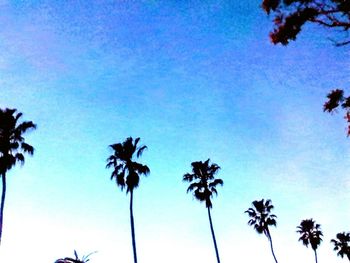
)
(261, 217)
(126, 171)
(12, 143)
(310, 233)
(342, 244)
(203, 184)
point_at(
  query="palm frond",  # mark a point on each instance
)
(20, 158)
(25, 126)
(111, 161)
(251, 212)
(135, 142)
(194, 186)
(140, 151)
(271, 221)
(188, 177)
(140, 168)
(216, 182)
(268, 205)
(116, 146)
(14, 145)
(214, 168)
(120, 179)
(27, 148)
(252, 222)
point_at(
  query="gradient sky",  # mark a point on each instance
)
(194, 80)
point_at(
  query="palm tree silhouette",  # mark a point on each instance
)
(203, 184)
(310, 233)
(342, 244)
(12, 147)
(127, 173)
(261, 218)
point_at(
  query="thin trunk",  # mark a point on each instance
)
(213, 235)
(3, 177)
(132, 227)
(271, 246)
(315, 255)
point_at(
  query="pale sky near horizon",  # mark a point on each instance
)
(194, 80)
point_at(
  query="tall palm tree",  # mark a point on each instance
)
(127, 173)
(261, 218)
(12, 147)
(310, 233)
(203, 185)
(342, 243)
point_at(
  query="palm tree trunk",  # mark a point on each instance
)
(3, 177)
(315, 255)
(132, 227)
(271, 246)
(213, 235)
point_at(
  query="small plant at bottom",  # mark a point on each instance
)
(84, 259)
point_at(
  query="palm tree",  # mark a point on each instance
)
(342, 244)
(12, 147)
(261, 218)
(203, 185)
(127, 173)
(310, 233)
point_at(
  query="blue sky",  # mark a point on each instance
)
(194, 80)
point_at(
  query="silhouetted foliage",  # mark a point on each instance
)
(203, 185)
(261, 218)
(12, 147)
(84, 259)
(336, 98)
(127, 173)
(342, 244)
(310, 233)
(291, 15)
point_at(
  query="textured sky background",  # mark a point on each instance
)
(194, 80)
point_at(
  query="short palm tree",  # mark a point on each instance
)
(12, 147)
(203, 185)
(127, 173)
(310, 233)
(261, 218)
(342, 244)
